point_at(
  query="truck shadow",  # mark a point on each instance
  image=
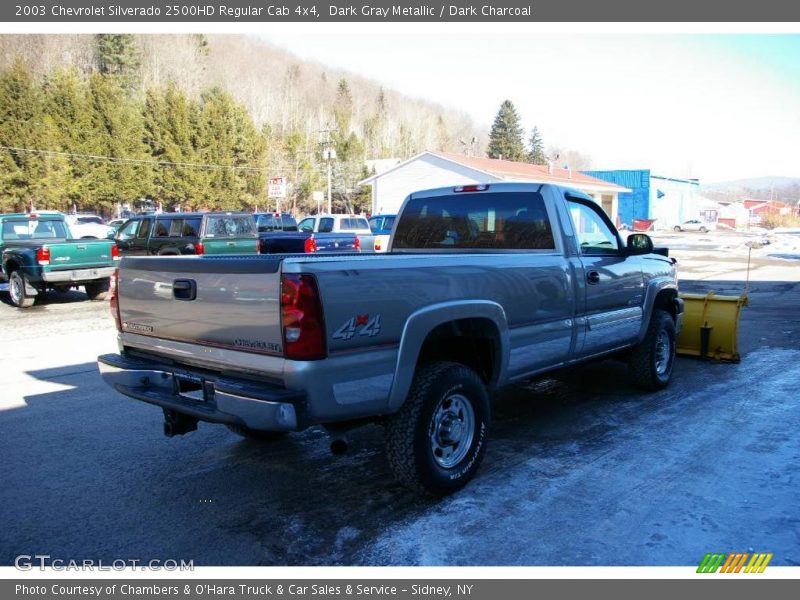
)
(103, 460)
(50, 297)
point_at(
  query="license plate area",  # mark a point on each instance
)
(190, 387)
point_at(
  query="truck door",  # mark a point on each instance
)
(132, 237)
(613, 283)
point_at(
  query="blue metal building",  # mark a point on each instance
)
(668, 200)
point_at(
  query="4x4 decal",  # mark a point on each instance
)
(360, 324)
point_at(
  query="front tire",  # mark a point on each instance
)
(650, 363)
(98, 290)
(703, 230)
(436, 441)
(17, 286)
(677, 228)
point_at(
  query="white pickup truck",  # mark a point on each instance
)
(483, 285)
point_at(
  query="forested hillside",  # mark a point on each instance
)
(195, 121)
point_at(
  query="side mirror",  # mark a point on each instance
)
(639, 243)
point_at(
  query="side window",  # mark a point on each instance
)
(191, 227)
(128, 230)
(144, 229)
(375, 224)
(306, 225)
(594, 235)
(162, 228)
(326, 225)
(388, 223)
(176, 229)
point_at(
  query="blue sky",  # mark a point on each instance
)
(715, 107)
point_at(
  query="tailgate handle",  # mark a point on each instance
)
(184, 289)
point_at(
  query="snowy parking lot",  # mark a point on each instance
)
(582, 469)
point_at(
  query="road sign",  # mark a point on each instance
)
(277, 187)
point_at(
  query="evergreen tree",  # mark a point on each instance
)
(506, 137)
(119, 56)
(21, 172)
(536, 153)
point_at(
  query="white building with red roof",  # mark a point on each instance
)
(441, 169)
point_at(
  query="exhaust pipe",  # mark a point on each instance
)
(339, 443)
(176, 423)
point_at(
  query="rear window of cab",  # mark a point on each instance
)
(230, 226)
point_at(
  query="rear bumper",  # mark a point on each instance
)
(213, 399)
(74, 275)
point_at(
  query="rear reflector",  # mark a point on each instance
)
(114, 302)
(301, 318)
(199, 248)
(43, 255)
(482, 187)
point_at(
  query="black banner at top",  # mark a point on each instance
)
(309, 11)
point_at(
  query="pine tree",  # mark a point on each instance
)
(505, 139)
(119, 56)
(536, 153)
(21, 126)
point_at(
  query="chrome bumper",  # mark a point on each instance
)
(77, 275)
(214, 399)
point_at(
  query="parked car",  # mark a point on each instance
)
(381, 227)
(695, 225)
(86, 226)
(173, 234)
(39, 254)
(278, 234)
(341, 224)
(483, 285)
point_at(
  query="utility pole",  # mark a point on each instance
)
(328, 155)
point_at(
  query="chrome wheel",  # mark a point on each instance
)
(663, 352)
(451, 431)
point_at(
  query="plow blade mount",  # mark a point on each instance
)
(711, 326)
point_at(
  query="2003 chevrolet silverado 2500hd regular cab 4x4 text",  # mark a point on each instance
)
(483, 285)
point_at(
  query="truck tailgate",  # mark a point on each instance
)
(335, 242)
(80, 253)
(224, 302)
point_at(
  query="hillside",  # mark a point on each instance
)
(195, 120)
(776, 187)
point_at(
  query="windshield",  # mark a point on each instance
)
(34, 229)
(508, 220)
(230, 226)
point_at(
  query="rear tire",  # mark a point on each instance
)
(98, 290)
(17, 291)
(650, 363)
(703, 230)
(436, 441)
(677, 228)
(255, 434)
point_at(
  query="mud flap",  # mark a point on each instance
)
(711, 326)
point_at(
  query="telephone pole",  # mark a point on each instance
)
(328, 155)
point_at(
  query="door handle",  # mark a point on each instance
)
(593, 277)
(184, 289)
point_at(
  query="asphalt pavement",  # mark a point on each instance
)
(582, 469)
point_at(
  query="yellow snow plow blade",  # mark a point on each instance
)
(711, 326)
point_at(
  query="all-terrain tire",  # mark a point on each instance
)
(445, 398)
(650, 362)
(98, 290)
(255, 434)
(17, 291)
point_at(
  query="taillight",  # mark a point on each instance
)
(357, 245)
(43, 255)
(114, 252)
(377, 246)
(199, 248)
(114, 302)
(310, 245)
(481, 187)
(301, 318)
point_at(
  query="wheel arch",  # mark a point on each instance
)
(471, 332)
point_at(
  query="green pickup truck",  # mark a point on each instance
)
(39, 254)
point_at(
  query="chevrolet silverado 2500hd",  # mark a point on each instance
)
(482, 285)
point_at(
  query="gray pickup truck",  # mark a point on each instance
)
(483, 285)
